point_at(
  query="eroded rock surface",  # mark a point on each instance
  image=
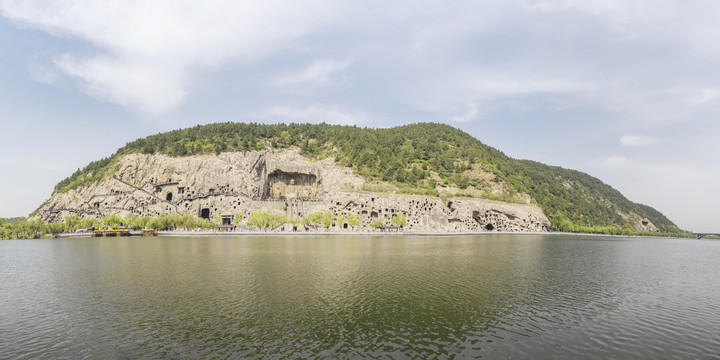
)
(276, 181)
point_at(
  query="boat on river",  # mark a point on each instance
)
(111, 232)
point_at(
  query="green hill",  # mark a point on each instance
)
(429, 159)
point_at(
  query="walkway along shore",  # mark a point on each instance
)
(248, 233)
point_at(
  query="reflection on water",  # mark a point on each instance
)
(535, 296)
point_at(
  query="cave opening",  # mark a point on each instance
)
(291, 185)
(489, 227)
(168, 197)
(476, 216)
(205, 213)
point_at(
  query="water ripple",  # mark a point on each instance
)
(362, 297)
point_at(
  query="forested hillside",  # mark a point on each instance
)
(429, 159)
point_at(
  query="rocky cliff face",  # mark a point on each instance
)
(276, 181)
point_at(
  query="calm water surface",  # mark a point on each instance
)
(497, 296)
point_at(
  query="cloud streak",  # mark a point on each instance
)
(320, 72)
(615, 162)
(637, 141)
(317, 113)
(147, 52)
(470, 115)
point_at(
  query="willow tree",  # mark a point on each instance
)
(353, 219)
(399, 220)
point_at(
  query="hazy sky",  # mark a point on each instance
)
(627, 91)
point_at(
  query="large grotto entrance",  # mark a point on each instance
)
(291, 185)
(483, 220)
(205, 213)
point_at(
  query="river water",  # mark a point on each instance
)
(489, 296)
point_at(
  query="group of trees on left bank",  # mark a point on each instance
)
(22, 228)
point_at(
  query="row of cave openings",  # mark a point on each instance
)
(279, 185)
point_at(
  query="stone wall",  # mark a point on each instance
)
(275, 181)
(284, 185)
(431, 214)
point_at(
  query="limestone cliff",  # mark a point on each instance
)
(277, 181)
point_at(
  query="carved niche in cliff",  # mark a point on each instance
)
(291, 185)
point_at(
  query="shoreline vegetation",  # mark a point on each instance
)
(261, 233)
(264, 223)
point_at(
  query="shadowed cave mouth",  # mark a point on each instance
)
(281, 184)
(476, 216)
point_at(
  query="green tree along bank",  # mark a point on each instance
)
(416, 159)
(21, 228)
(24, 229)
(399, 220)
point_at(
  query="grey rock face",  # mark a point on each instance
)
(431, 214)
(275, 181)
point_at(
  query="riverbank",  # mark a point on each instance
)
(316, 233)
(336, 233)
(356, 233)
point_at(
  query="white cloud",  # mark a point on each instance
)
(683, 190)
(469, 115)
(320, 72)
(318, 113)
(694, 23)
(41, 72)
(615, 162)
(637, 140)
(498, 83)
(673, 104)
(705, 95)
(687, 95)
(153, 88)
(486, 91)
(147, 51)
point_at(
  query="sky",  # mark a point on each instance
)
(627, 91)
